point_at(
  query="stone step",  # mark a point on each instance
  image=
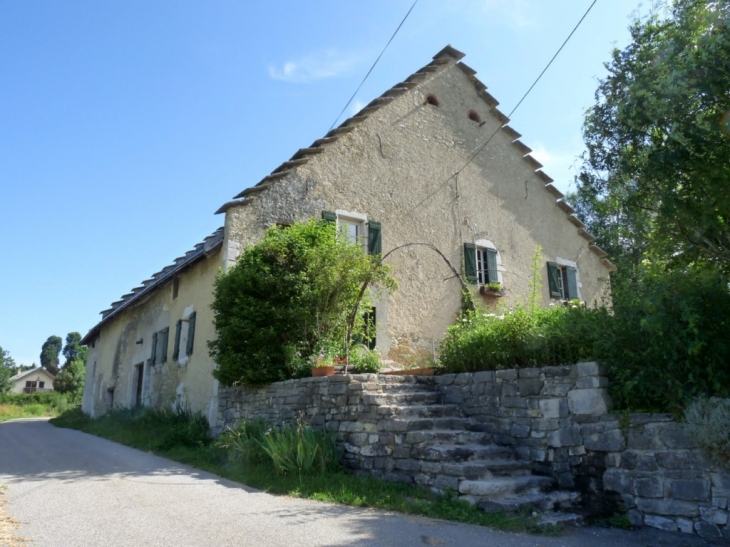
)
(461, 453)
(420, 411)
(395, 398)
(442, 435)
(479, 470)
(541, 502)
(504, 487)
(559, 519)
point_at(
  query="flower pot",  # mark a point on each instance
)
(323, 371)
(485, 291)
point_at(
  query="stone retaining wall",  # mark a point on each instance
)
(555, 418)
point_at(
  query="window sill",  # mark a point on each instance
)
(484, 291)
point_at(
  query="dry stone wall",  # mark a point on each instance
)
(556, 421)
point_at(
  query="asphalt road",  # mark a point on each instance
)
(72, 489)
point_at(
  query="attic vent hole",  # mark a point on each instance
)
(473, 116)
(431, 99)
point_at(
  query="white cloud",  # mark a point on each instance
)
(315, 66)
(357, 106)
(519, 13)
(562, 166)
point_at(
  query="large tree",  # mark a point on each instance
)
(71, 379)
(73, 350)
(657, 167)
(49, 354)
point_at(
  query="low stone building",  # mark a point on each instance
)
(410, 177)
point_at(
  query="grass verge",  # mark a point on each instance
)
(12, 412)
(150, 430)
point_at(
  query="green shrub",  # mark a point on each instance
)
(50, 399)
(522, 338)
(708, 421)
(180, 427)
(365, 360)
(300, 288)
(291, 448)
(670, 342)
(244, 442)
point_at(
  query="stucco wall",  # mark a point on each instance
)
(114, 355)
(396, 167)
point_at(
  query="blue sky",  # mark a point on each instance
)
(125, 125)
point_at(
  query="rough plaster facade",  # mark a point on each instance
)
(396, 166)
(125, 342)
(406, 164)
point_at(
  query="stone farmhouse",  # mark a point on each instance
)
(402, 178)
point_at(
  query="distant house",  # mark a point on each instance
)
(409, 176)
(30, 381)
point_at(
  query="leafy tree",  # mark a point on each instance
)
(49, 354)
(7, 370)
(300, 289)
(655, 175)
(71, 379)
(74, 351)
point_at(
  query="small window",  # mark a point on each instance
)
(176, 347)
(432, 100)
(109, 399)
(191, 334)
(563, 281)
(41, 385)
(480, 264)
(355, 227)
(473, 116)
(28, 383)
(175, 287)
(351, 230)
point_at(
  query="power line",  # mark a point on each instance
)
(375, 63)
(479, 150)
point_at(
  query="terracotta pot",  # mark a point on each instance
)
(425, 371)
(323, 371)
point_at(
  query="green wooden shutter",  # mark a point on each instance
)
(572, 283)
(470, 262)
(554, 280)
(329, 216)
(191, 334)
(176, 347)
(375, 245)
(492, 266)
(165, 336)
(153, 357)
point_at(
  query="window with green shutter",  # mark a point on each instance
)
(191, 335)
(470, 262)
(571, 274)
(164, 339)
(329, 216)
(153, 357)
(176, 347)
(554, 280)
(492, 272)
(375, 245)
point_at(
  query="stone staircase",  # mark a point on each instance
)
(432, 444)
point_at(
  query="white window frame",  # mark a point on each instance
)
(483, 273)
(563, 265)
(353, 218)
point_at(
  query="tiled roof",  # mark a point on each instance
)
(165, 274)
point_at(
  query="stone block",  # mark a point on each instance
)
(591, 381)
(408, 465)
(663, 523)
(610, 441)
(707, 530)
(644, 438)
(358, 439)
(530, 386)
(509, 374)
(538, 454)
(556, 389)
(646, 462)
(577, 450)
(636, 518)
(726, 533)
(650, 487)
(685, 525)
(351, 427)
(589, 401)
(589, 369)
(619, 480)
(514, 402)
(676, 436)
(720, 480)
(520, 431)
(721, 497)
(714, 515)
(566, 436)
(667, 507)
(446, 482)
(689, 489)
(484, 376)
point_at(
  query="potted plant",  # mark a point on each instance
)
(323, 363)
(492, 289)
